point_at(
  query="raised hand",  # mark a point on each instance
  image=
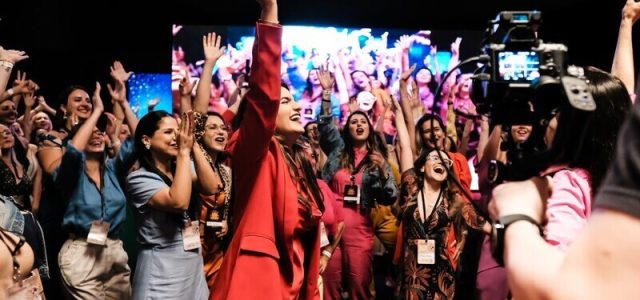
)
(211, 47)
(379, 161)
(12, 56)
(407, 74)
(185, 133)
(185, 86)
(97, 100)
(118, 73)
(117, 93)
(326, 78)
(29, 99)
(113, 124)
(631, 10)
(404, 42)
(455, 46)
(176, 29)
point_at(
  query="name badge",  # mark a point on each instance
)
(98, 232)
(324, 238)
(191, 236)
(351, 194)
(426, 252)
(307, 112)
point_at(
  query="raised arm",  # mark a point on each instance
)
(330, 139)
(257, 123)
(8, 58)
(119, 96)
(84, 133)
(405, 104)
(212, 52)
(623, 66)
(177, 197)
(406, 153)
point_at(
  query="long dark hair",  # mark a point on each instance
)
(594, 150)
(308, 178)
(420, 142)
(60, 120)
(348, 156)
(432, 85)
(148, 126)
(222, 155)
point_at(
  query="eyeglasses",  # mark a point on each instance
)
(6, 133)
(436, 158)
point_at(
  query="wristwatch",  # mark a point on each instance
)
(498, 231)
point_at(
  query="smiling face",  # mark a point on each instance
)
(521, 133)
(288, 121)
(359, 127)
(429, 132)
(78, 103)
(434, 168)
(41, 121)
(423, 76)
(8, 112)
(163, 142)
(97, 142)
(7, 141)
(215, 134)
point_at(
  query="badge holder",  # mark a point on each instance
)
(214, 221)
(351, 194)
(98, 232)
(191, 235)
(426, 252)
(307, 113)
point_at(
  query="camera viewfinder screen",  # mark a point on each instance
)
(520, 66)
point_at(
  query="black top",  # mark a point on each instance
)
(621, 189)
(10, 187)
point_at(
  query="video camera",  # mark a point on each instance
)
(525, 82)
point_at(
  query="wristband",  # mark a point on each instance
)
(326, 253)
(7, 64)
(326, 95)
(10, 92)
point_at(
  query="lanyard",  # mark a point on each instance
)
(357, 169)
(427, 220)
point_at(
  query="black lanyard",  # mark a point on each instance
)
(427, 220)
(357, 169)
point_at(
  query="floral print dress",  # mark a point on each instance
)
(434, 281)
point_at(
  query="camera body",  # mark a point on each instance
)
(525, 82)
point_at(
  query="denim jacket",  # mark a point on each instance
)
(14, 220)
(374, 188)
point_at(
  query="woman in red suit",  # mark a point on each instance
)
(275, 250)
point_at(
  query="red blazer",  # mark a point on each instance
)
(258, 262)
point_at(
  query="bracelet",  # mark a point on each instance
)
(268, 22)
(326, 253)
(326, 94)
(10, 92)
(7, 64)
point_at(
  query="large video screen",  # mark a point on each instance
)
(378, 53)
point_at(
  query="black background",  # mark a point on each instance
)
(75, 41)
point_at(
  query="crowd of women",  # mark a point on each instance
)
(260, 202)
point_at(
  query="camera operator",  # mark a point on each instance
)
(602, 262)
(579, 170)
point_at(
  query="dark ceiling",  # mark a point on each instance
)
(74, 41)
